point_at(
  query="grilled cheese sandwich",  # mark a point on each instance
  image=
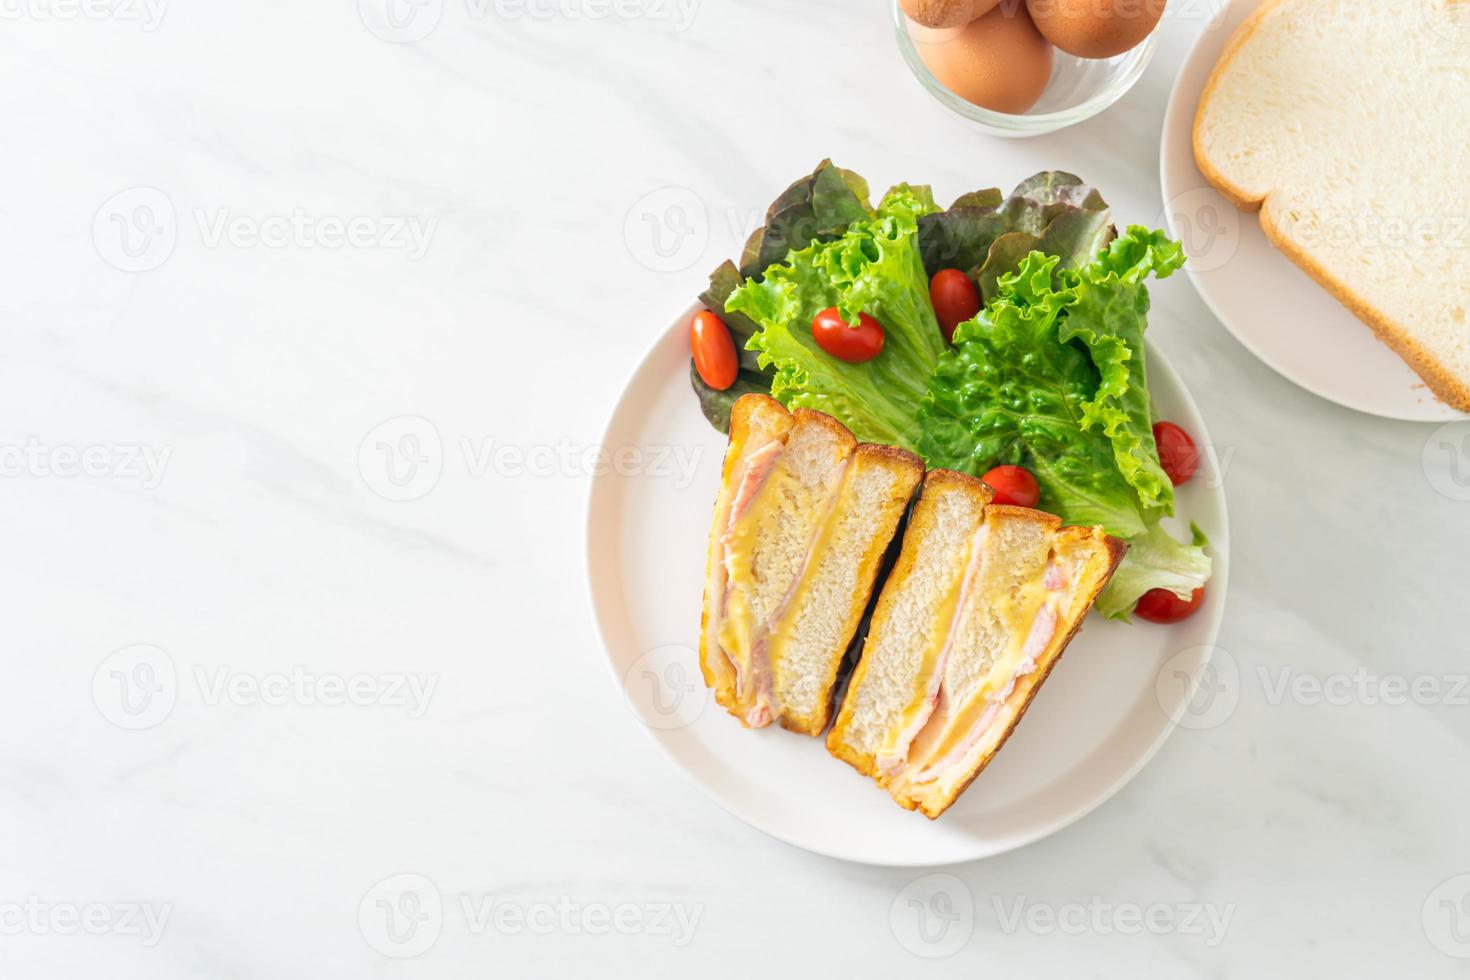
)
(801, 524)
(982, 602)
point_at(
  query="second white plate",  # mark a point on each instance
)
(1271, 306)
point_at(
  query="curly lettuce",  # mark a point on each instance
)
(818, 207)
(875, 267)
(1052, 376)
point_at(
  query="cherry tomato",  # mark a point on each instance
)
(955, 299)
(1163, 606)
(1013, 485)
(1177, 452)
(714, 350)
(853, 343)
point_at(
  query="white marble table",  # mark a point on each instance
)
(252, 675)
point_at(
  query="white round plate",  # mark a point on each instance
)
(1107, 707)
(1271, 306)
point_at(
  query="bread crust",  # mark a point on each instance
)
(1451, 389)
(813, 417)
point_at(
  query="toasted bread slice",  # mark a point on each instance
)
(984, 600)
(908, 621)
(1343, 123)
(801, 524)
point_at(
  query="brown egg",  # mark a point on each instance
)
(946, 13)
(999, 61)
(1096, 28)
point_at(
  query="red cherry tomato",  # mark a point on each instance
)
(955, 299)
(1163, 606)
(1177, 452)
(714, 350)
(850, 342)
(1013, 485)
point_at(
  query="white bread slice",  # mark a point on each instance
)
(1344, 123)
(803, 518)
(998, 592)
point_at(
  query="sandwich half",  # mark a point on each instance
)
(977, 611)
(804, 516)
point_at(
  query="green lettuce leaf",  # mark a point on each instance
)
(818, 207)
(875, 267)
(1052, 376)
(1155, 560)
(1012, 392)
(1109, 315)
